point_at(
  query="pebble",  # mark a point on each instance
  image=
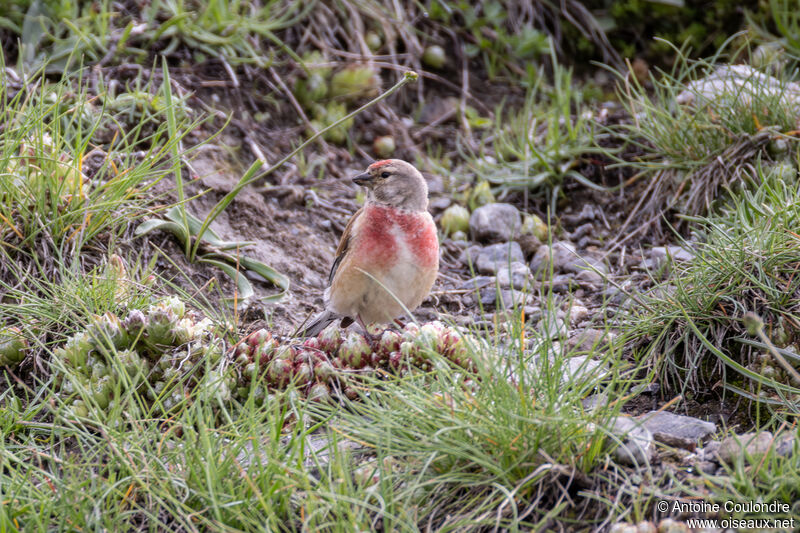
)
(560, 253)
(495, 223)
(670, 525)
(478, 282)
(666, 424)
(577, 314)
(470, 254)
(677, 253)
(495, 257)
(751, 445)
(551, 327)
(503, 298)
(515, 275)
(587, 339)
(582, 367)
(562, 283)
(637, 446)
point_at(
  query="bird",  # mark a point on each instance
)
(388, 256)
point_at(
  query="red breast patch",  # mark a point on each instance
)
(383, 225)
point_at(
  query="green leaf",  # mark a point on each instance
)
(245, 289)
(165, 225)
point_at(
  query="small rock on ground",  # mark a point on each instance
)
(752, 445)
(637, 446)
(676, 426)
(497, 257)
(495, 223)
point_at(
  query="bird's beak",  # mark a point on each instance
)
(363, 179)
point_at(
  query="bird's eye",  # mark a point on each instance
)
(384, 174)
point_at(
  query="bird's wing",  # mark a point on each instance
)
(344, 244)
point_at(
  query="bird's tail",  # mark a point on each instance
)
(318, 323)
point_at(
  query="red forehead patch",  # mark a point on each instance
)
(379, 164)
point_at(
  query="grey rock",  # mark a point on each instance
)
(577, 314)
(637, 446)
(785, 445)
(563, 283)
(750, 445)
(478, 282)
(469, 255)
(589, 276)
(622, 527)
(515, 275)
(594, 401)
(503, 298)
(582, 231)
(676, 252)
(532, 313)
(709, 451)
(670, 525)
(583, 367)
(706, 467)
(677, 426)
(551, 327)
(585, 263)
(587, 339)
(497, 257)
(495, 223)
(559, 254)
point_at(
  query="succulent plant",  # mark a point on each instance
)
(107, 332)
(535, 226)
(454, 219)
(329, 340)
(13, 346)
(354, 351)
(355, 82)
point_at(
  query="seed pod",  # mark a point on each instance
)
(354, 351)
(373, 40)
(160, 326)
(410, 332)
(389, 342)
(312, 343)
(184, 331)
(434, 56)
(311, 89)
(384, 146)
(258, 337)
(266, 351)
(455, 218)
(132, 363)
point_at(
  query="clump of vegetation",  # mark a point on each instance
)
(537, 148)
(700, 131)
(693, 329)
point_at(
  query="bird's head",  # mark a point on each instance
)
(395, 182)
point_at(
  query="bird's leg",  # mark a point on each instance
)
(399, 323)
(367, 335)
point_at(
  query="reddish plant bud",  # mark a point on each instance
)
(355, 351)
